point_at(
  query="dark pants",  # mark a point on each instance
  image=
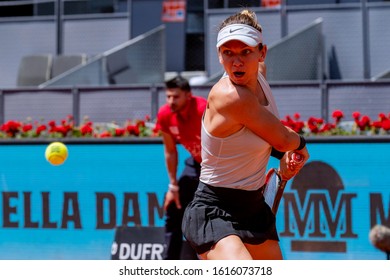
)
(188, 183)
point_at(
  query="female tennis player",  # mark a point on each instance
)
(228, 218)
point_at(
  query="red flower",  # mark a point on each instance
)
(363, 123)
(327, 127)
(377, 124)
(386, 124)
(11, 128)
(382, 116)
(297, 125)
(120, 131)
(27, 127)
(297, 116)
(40, 128)
(133, 130)
(51, 123)
(62, 130)
(105, 134)
(337, 115)
(314, 124)
(86, 129)
(140, 123)
(356, 115)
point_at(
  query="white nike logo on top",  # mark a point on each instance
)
(234, 30)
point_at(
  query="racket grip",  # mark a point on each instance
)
(298, 158)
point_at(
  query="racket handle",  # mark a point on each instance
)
(298, 158)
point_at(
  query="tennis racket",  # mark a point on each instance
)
(274, 186)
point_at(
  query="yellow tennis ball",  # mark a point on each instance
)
(56, 153)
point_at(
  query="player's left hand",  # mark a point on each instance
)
(288, 167)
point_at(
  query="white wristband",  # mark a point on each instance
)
(173, 188)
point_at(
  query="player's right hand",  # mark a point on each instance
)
(172, 197)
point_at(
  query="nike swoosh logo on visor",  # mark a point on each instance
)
(234, 30)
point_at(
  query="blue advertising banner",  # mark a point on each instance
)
(329, 208)
(72, 211)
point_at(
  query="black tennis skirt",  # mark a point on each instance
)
(217, 212)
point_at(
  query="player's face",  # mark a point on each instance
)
(176, 99)
(240, 61)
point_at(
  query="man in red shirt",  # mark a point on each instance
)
(179, 121)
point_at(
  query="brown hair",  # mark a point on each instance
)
(178, 82)
(245, 16)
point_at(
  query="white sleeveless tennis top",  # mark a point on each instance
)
(238, 161)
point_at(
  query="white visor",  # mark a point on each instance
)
(241, 32)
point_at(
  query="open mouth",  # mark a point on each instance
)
(238, 74)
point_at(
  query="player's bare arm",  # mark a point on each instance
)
(171, 160)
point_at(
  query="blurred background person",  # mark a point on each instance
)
(179, 121)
